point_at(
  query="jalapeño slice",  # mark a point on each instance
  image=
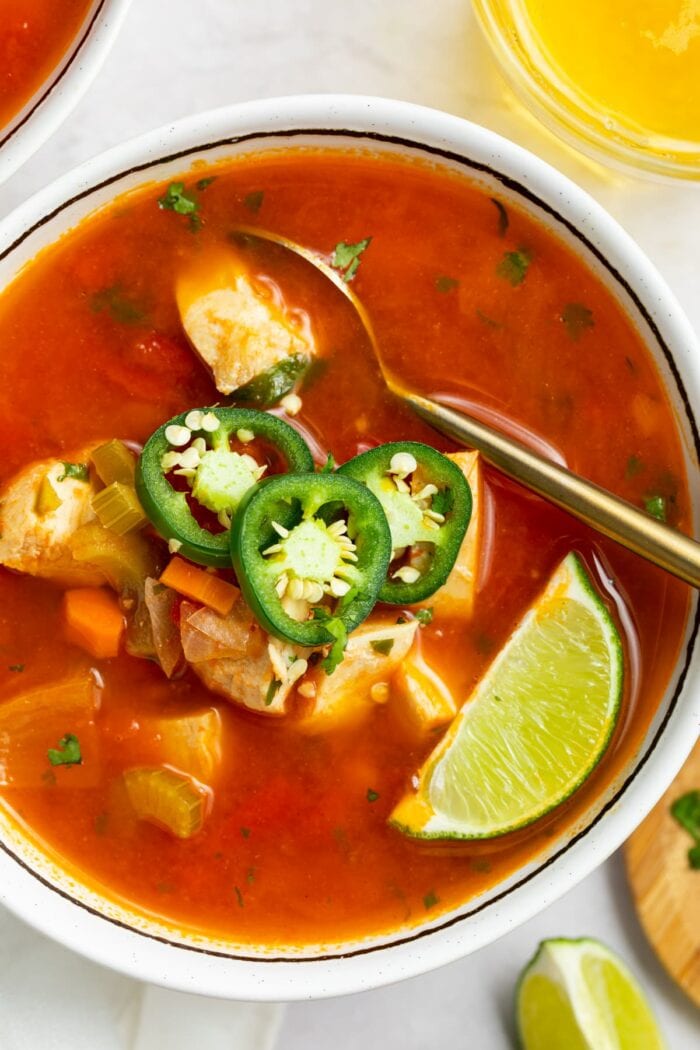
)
(428, 504)
(189, 471)
(311, 552)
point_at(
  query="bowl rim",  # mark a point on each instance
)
(48, 107)
(196, 968)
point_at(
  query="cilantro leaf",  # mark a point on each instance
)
(514, 266)
(634, 467)
(372, 795)
(488, 321)
(67, 753)
(383, 646)
(430, 900)
(346, 257)
(424, 616)
(576, 318)
(336, 628)
(177, 199)
(446, 284)
(656, 506)
(253, 201)
(79, 471)
(686, 811)
(202, 184)
(121, 309)
(503, 220)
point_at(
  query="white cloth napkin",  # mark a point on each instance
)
(52, 999)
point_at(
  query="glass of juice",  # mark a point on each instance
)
(619, 79)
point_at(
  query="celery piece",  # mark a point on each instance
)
(126, 561)
(118, 508)
(167, 799)
(114, 462)
(47, 499)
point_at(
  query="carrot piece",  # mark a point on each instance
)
(200, 586)
(93, 620)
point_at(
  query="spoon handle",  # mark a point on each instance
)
(603, 511)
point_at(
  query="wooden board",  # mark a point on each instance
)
(665, 888)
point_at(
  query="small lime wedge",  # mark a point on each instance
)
(578, 995)
(534, 728)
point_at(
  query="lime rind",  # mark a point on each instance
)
(495, 721)
(606, 1018)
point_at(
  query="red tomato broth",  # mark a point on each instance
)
(294, 851)
(34, 37)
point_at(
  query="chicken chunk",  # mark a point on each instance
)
(237, 329)
(236, 659)
(456, 596)
(373, 654)
(426, 701)
(41, 509)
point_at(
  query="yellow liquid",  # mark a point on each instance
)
(633, 63)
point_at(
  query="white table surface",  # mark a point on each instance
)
(176, 57)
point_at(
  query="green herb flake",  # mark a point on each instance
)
(430, 900)
(67, 753)
(446, 284)
(514, 266)
(202, 184)
(250, 876)
(656, 506)
(245, 832)
(576, 319)
(272, 690)
(239, 896)
(49, 778)
(383, 646)
(253, 201)
(178, 200)
(488, 321)
(372, 795)
(78, 471)
(336, 628)
(503, 220)
(480, 864)
(634, 467)
(16, 668)
(425, 616)
(346, 257)
(686, 811)
(443, 501)
(121, 309)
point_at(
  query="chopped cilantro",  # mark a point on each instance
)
(245, 832)
(202, 184)
(425, 616)
(67, 753)
(239, 896)
(346, 257)
(488, 321)
(79, 471)
(120, 308)
(442, 502)
(514, 266)
(576, 318)
(503, 220)
(634, 467)
(178, 200)
(250, 876)
(17, 668)
(372, 795)
(480, 864)
(272, 690)
(686, 810)
(253, 201)
(383, 646)
(656, 506)
(335, 627)
(430, 900)
(446, 284)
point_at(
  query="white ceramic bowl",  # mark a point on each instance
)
(37, 889)
(52, 102)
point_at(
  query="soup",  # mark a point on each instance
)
(34, 37)
(215, 784)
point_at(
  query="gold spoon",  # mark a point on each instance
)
(602, 510)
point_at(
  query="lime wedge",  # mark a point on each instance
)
(578, 995)
(534, 728)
